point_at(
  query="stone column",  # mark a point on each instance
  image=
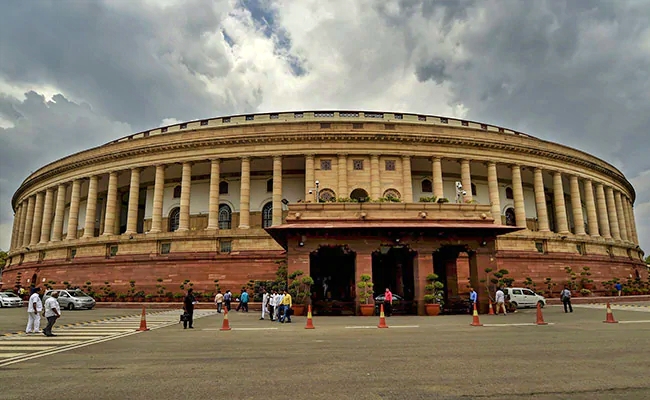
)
(342, 169)
(438, 190)
(466, 180)
(22, 223)
(186, 188)
(576, 206)
(46, 227)
(158, 193)
(16, 226)
(518, 194)
(612, 214)
(111, 205)
(309, 177)
(277, 190)
(407, 196)
(635, 235)
(602, 211)
(91, 208)
(479, 260)
(245, 194)
(621, 216)
(628, 217)
(29, 220)
(375, 186)
(592, 217)
(540, 201)
(493, 190)
(73, 215)
(59, 212)
(134, 197)
(560, 206)
(363, 267)
(38, 218)
(423, 267)
(213, 205)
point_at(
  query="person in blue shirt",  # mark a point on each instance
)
(243, 298)
(618, 287)
(473, 298)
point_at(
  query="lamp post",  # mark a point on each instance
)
(316, 191)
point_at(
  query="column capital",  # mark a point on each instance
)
(405, 156)
(215, 160)
(374, 155)
(309, 155)
(277, 157)
(436, 158)
(342, 154)
(245, 158)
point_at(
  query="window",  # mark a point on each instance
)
(177, 192)
(509, 194)
(327, 195)
(250, 117)
(225, 216)
(359, 195)
(392, 194)
(540, 247)
(269, 185)
(298, 115)
(323, 114)
(112, 250)
(174, 219)
(223, 187)
(516, 291)
(204, 122)
(580, 247)
(528, 292)
(422, 118)
(163, 130)
(473, 189)
(225, 246)
(357, 165)
(326, 165)
(41, 256)
(427, 186)
(274, 116)
(399, 116)
(267, 215)
(357, 126)
(444, 120)
(349, 114)
(390, 165)
(510, 217)
(165, 248)
(373, 115)
(325, 125)
(225, 120)
(484, 127)
(72, 253)
(464, 123)
(183, 126)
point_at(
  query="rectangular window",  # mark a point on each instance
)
(399, 116)
(326, 165)
(349, 114)
(298, 115)
(374, 115)
(390, 165)
(501, 130)
(41, 256)
(183, 126)
(323, 114)
(72, 253)
(357, 126)
(325, 125)
(225, 120)
(204, 122)
(540, 245)
(581, 248)
(111, 250)
(250, 117)
(274, 116)
(444, 121)
(464, 123)
(422, 118)
(225, 246)
(484, 127)
(146, 134)
(165, 247)
(357, 165)
(163, 130)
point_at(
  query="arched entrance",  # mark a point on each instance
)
(392, 268)
(359, 195)
(332, 269)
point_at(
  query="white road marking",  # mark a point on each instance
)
(520, 324)
(8, 348)
(634, 322)
(10, 355)
(375, 327)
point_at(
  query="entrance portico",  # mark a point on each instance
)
(410, 233)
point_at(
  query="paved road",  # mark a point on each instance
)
(576, 357)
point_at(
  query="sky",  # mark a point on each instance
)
(78, 74)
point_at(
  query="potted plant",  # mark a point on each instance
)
(365, 294)
(585, 280)
(300, 290)
(434, 297)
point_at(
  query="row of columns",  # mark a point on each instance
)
(609, 213)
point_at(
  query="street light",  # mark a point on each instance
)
(316, 191)
(460, 193)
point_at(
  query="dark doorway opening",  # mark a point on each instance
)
(445, 266)
(392, 268)
(332, 269)
(34, 282)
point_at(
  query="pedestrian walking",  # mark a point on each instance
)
(272, 306)
(188, 306)
(500, 299)
(34, 310)
(566, 299)
(218, 301)
(227, 299)
(52, 311)
(473, 297)
(243, 301)
(388, 302)
(286, 308)
(265, 302)
(278, 306)
(619, 288)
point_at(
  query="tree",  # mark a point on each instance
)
(647, 259)
(3, 259)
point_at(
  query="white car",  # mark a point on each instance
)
(522, 297)
(10, 299)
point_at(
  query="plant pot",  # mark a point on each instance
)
(298, 309)
(367, 310)
(589, 286)
(432, 309)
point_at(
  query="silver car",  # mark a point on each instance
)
(72, 299)
(10, 299)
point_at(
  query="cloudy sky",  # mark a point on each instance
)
(76, 74)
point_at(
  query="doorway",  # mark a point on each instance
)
(332, 269)
(392, 267)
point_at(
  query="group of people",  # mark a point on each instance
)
(500, 300)
(277, 305)
(35, 308)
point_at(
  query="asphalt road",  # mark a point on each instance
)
(575, 357)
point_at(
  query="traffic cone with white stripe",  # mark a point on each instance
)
(226, 325)
(310, 323)
(610, 316)
(475, 321)
(491, 310)
(540, 317)
(382, 318)
(143, 322)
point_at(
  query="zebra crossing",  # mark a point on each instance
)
(20, 347)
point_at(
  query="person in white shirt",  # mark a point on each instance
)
(52, 313)
(34, 310)
(278, 300)
(500, 299)
(218, 301)
(265, 302)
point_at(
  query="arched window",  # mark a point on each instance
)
(177, 192)
(360, 195)
(223, 187)
(427, 186)
(473, 189)
(510, 217)
(392, 194)
(327, 195)
(225, 216)
(267, 215)
(174, 218)
(269, 186)
(509, 194)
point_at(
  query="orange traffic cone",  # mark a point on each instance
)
(143, 322)
(226, 325)
(540, 317)
(475, 321)
(310, 323)
(610, 316)
(382, 318)
(491, 310)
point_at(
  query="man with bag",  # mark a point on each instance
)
(188, 307)
(566, 299)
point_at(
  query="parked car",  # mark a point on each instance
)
(72, 299)
(400, 306)
(10, 299)
(523, 298)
